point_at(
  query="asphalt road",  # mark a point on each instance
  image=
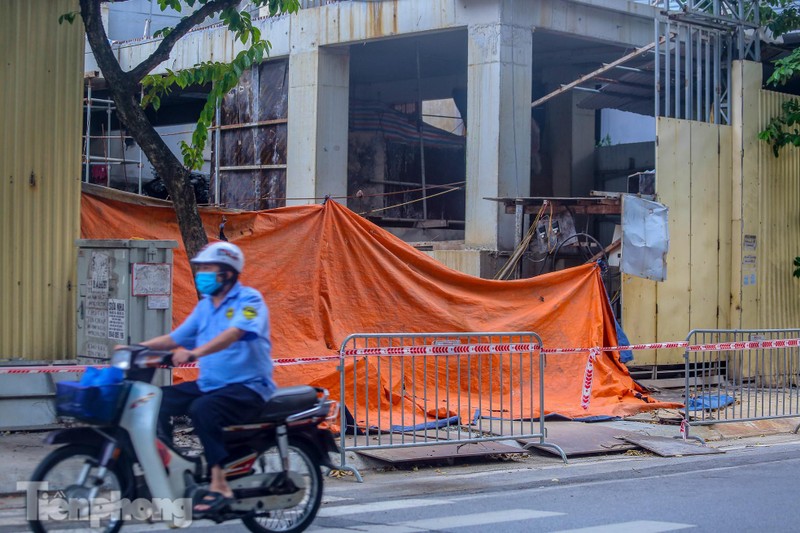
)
(750, 488)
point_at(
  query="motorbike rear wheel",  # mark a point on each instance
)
(303, 462)
(71, 473)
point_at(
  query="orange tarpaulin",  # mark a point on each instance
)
(326, 272)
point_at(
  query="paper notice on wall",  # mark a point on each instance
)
(152, 279)
(158, 302)
(96, 350)
(749, 242)
(98, 272)
(97, 300)
(116, 319)
(96, 322)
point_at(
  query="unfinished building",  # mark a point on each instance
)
(474, 128)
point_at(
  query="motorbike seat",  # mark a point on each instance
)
(288, 401)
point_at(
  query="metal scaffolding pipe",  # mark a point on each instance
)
(421, 136)
(99, 100)
(141, 96)
(217, 146)
(111, 159)
(87, 139)
(252, 167)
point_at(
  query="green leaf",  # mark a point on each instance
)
(163, 32)
(68, 17)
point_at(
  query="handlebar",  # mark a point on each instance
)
(144, 357)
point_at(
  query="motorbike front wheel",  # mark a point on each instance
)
(76, 495)
(304, 465)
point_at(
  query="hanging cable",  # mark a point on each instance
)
(424, 197)
(519, 251)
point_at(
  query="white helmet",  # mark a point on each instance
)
(223, 253)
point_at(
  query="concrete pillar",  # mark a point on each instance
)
(570, 142)
(319, 97)
(499, 124)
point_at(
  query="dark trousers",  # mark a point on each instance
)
(210, 412)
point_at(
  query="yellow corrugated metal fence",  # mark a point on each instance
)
(779, 240)
(41, 91)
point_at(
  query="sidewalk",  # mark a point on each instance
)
(22, 451)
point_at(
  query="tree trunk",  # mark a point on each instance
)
(124, 91)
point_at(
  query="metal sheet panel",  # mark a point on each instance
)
(778, 241)
(645, 240)
(41, 80)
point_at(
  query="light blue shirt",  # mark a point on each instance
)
(247, 361)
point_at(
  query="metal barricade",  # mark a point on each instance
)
(740, 375)
(423, 389)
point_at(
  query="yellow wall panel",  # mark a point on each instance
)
(724, 224)
(693, 176)
(746, 216)
(673, 171)
(639, 314)
(41, 89)
(704, 220)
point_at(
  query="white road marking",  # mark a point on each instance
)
(638, 526)
(376, 507)
(479, 519)
(449, 522)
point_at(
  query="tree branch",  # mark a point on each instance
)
(101, 48)
(161, 53)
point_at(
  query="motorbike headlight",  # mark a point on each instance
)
(122, 359)
(333, 410)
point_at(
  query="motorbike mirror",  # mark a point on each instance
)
(122, 359)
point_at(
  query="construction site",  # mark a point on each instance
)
(519, 177)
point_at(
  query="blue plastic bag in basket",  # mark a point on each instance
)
(94, 377)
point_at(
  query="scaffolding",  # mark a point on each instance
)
(90, 160)
(697, 41)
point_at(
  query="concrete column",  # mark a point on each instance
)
(319, 97)
(499, 127)
(570, 143)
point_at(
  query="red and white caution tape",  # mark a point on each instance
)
(460, 349)
(745, 345)
(650, 346)
(79, 369)
(45, 369)
(588, 378)
(444, 350)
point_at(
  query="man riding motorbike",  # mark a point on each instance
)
(228, 333)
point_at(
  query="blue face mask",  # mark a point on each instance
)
(207, 282)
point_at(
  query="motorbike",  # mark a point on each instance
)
(112, 467)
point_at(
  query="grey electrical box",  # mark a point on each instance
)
(124, 293)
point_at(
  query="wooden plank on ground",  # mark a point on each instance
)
(668, 447)
(440, 451)
(579, 438)
(667, 383)
(508, 428)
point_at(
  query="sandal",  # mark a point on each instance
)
(212, 501)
